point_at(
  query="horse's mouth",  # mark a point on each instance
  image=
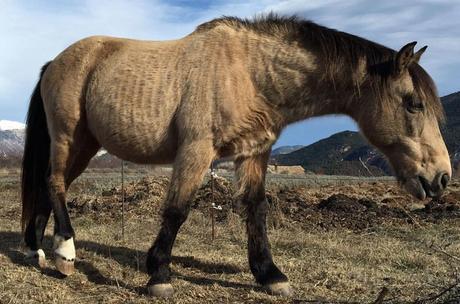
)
(421, 188)
(427, 188)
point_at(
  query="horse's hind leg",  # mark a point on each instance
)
(63, 232)
(68, 160)
(84, 147)
(250, 173)
(192, 161)
(35, 229)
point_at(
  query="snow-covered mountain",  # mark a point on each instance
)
(11, 142)
(6, 125)
(12, 135)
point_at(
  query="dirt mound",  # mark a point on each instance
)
(354, 207)
(448, 206)
(335, 211)
(222, 196)
(143, 198)
(340, 203)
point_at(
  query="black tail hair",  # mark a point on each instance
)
(36, 158)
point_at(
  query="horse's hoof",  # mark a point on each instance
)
(164, 290)
(64, 266)
(36, 258)
(280, 289)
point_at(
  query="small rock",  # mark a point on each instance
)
(416, 206)
(108, 192)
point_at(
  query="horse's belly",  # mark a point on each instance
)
(137, 141)
(134, 131)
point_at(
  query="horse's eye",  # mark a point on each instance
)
(414, 106)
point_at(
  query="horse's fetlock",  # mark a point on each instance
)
(64, 247)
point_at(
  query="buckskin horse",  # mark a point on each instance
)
(227, 89)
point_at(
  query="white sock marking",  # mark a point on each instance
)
(64, 248)
(34, 253)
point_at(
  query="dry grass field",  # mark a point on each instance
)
(338, 243)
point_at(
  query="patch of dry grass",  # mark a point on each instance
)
(330, 265)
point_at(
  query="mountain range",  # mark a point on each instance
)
(344, 153)
(11, 143)
(285, 149)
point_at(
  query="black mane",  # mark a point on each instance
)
(332, 43)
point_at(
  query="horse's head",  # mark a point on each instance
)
(404, 124)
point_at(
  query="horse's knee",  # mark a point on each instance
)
(175, 216)
(57, 186)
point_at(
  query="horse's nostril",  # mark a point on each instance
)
(444, 180)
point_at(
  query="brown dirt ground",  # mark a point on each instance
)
(354, 207)
(337, 244)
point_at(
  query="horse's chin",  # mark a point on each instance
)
(415, 187)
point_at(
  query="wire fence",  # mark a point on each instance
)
(112, 177)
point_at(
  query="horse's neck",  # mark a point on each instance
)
(298, 83)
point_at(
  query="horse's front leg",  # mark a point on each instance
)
(192, 161)
(250, 174)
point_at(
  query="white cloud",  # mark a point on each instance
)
(296, 6)
(34, 35)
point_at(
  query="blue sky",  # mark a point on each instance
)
(34, 32)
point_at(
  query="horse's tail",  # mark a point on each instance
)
(36, 158)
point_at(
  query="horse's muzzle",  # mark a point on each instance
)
(436, 187)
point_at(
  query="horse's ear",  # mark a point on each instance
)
(404, 57)
(419, 54)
